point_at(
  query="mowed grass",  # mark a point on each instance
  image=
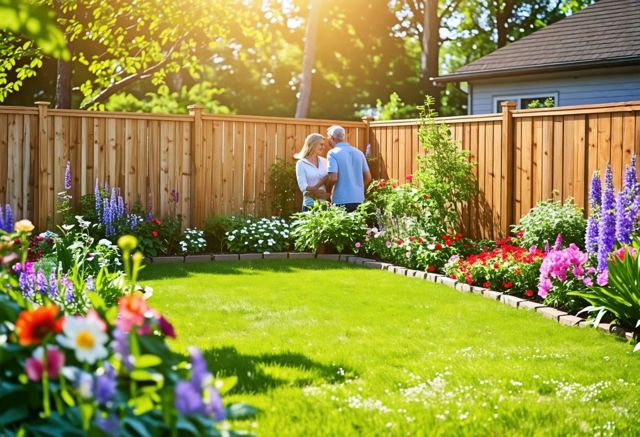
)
(326, 348)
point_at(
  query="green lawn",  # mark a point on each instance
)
(326, 348)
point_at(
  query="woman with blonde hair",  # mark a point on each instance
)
(311, 171)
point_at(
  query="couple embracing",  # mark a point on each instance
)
(341, 178)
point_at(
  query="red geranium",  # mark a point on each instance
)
(486, 284)
(438, 246)
(507, 284)
(33, 326)
(431, 268)
(155, 234)
(528, 293)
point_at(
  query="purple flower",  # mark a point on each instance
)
(214, 408)
(121, 347)
(110, 424)
(6, 221)
(105, 386)
(603, 278)
(607, 234)
(199, 372)
(188, 399)
(67, 176)
(96, 193)
(626, 205)
(595, 199)
(559, 265)
(68, 287)
(90, 284)
(2, 226)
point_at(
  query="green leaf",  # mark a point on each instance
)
(13, 414)
(144, 361)
(136, 426)
(240, 411)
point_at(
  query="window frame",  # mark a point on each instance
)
(519, 97)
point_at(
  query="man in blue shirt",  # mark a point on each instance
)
(349, 173)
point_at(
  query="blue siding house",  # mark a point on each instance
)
(592, 56)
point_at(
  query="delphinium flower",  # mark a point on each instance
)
(96, 193)
(6, 220)
(595, 202)
(607, 232)
(198, 396)
(107, 218)
(67, 176)
(105, 385)
(626, 205)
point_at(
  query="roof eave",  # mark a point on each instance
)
(565, 66)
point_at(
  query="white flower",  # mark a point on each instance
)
(231, 238)
(84, 337)
(68, 227)
(105, 242)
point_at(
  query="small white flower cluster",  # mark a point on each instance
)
(193, 241)
(259, 235)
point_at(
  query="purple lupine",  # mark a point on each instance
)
(67, 176)
(110, 424)
(96, 193)
(107, 219)
(90, 285)
(189, 394)
(626, 205)
(6, 222)
(188, 399)
(67, 286)
(595, 203)
(53, 284)
(121, 210)
(607, 232)
(105, 385)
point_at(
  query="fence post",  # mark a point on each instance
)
(41, 178)
(367, 119)
(197, 158)
(508, 146)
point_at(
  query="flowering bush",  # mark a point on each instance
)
(258, 235)
(562, 271)
(507, 268)
(193, 241)
(107, 371)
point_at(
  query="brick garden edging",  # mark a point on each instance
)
(546, 311)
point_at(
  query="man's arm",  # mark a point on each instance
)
(332, 178)
(366, 176)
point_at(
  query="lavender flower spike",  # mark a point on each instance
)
(626, 205)
(595, 199)
(1, 220)
(96, 193)
(607, 235)
(67, 176)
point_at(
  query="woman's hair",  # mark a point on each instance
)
(306, 148)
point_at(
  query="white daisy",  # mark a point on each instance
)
(85, 337)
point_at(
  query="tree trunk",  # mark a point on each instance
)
(63, 84)
(502, 15)
(310, 39)
(429, 61)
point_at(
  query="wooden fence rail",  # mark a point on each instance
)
(220, 164)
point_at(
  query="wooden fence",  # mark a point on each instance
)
(215, 164)
(220, 164)
(523, 156)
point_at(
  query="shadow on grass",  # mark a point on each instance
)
(249, 267)
(259, 373)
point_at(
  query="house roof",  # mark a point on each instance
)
(604, 34)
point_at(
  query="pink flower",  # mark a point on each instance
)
(33, 366)
(603, 278)
(358, 245)
(388, 243)
(409, 177)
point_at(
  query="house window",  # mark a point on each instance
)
(545, 100)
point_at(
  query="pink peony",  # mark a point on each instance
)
(34, 368)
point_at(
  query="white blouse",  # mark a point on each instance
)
(309, 175)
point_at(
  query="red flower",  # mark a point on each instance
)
(486, 284)
(399, 242)
(382, 183)
(453, 276)
(156, 221)
(420, 240)
(431, 268)
(507, 284)
(155, 234)
(528, 293)
(425, 196)
(496, 266)
(33, 326)
(458, 237)
(438, 246)
(412, 238)
(409, 177)
(469, 280)
(394, 185)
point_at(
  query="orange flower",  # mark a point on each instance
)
(131, 310)
(33, 326)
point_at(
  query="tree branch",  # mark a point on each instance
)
(448, 9)
(123, 83)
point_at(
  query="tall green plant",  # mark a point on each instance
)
(282, 188)
(445, 173)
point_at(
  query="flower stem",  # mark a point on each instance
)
(45, 383)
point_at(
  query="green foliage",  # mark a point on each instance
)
(548, 219)
(620, 296)
(445, 173)
(165, 101)
(36, 23)
(548, 103)
(394, 109)
(282, 188)
(215, 227)
(329, 225)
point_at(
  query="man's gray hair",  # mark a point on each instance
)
(336, 131)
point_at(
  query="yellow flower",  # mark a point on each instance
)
(24, 226)
(127, 243)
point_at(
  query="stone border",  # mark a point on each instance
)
(548, 312)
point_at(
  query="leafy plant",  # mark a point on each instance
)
(215, 227)
(193, 241)
(329, 224)
(547, 220)
(282, 188)
(620, 296)
(445, 173)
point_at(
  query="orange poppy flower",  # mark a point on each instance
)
(33, 326)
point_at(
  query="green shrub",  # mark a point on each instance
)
(282, 189)
(329, 225)
(445, 173)
(263, 235)
(215, 227)
(548, 219)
